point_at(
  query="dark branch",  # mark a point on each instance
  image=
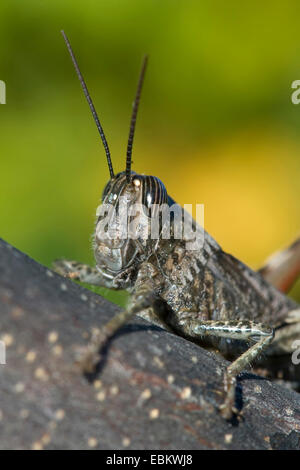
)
(157, 391)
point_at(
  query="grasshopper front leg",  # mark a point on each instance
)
(244, 330)
(141, 300)
(83, 273)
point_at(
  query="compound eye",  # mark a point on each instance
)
(154, 192)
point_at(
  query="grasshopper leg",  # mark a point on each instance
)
(227, 408)
(140, 301)
(243, 330)
(82, 272)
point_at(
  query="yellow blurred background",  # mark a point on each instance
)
(216, 121)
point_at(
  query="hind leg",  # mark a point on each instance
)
(261, 334)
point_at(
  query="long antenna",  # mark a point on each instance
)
(133, 118)
(91, 105)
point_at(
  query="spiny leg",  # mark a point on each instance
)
(82, 272)
(244, 330)
(237, 366)
(141, 300)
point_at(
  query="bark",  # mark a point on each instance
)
(153, 390)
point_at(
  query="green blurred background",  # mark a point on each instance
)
(216, 122)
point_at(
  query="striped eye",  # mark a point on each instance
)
(154, 191)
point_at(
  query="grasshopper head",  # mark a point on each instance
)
(123, 227)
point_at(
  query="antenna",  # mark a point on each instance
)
(91, 105)
(133, 118)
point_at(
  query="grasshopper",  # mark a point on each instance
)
(204, 295)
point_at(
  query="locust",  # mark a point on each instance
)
(204, 295)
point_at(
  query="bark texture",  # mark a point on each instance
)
(153, 390)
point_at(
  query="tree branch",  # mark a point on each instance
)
(154, 390)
